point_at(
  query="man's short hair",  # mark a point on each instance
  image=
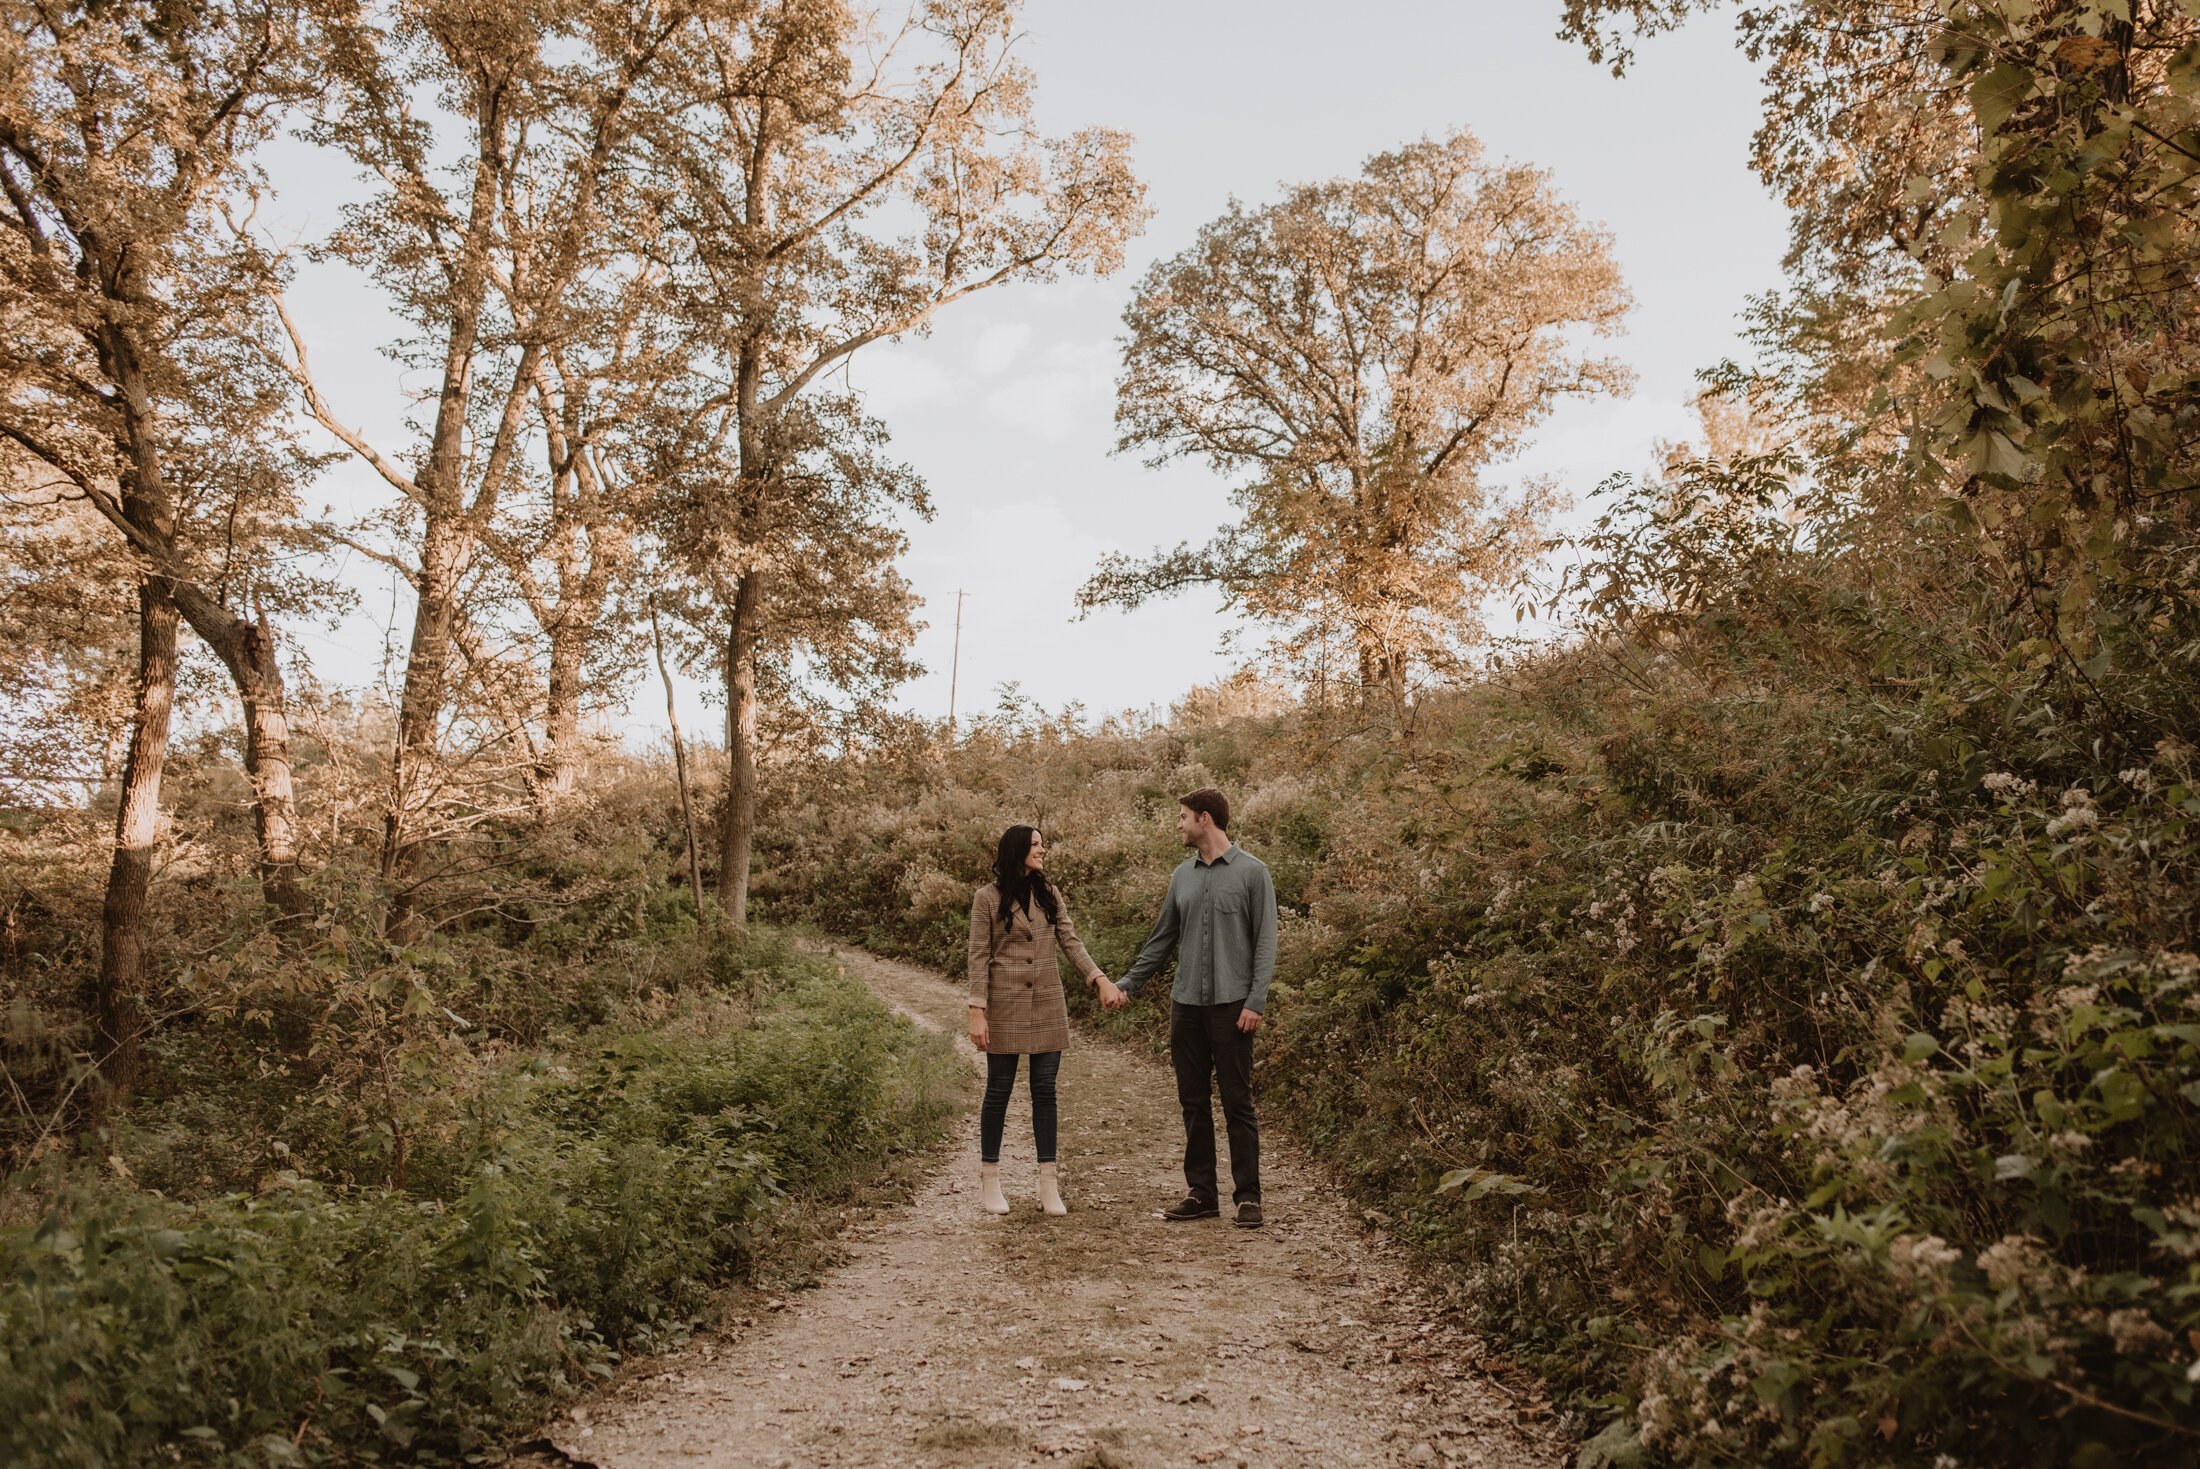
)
(1211, 801)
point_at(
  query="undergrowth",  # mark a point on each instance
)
(1785, 1022)
(562, 1206)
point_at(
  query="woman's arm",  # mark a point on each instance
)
(981, 961)
(981, 946)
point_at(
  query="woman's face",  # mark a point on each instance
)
(1035, 860)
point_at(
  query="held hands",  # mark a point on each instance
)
(1248, 1021)
(1111, 996)
(978, 1033)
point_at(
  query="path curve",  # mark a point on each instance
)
(1106, 1338)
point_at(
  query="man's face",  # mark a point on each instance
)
(1191, 824)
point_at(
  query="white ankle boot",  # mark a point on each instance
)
(989, 1188)
(1050, 1196)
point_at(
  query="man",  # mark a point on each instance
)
(1221, 907)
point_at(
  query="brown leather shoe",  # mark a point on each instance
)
(1192, 1206)
(1248, 1215)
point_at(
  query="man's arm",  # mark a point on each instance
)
(1264, 942)
(1159, 945)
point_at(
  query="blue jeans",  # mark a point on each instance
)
(1000, 1080)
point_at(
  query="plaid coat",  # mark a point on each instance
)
(1014, 975)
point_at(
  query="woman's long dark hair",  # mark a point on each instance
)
(1018, 883)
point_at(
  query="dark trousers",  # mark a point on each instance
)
(1209, 1051)
(1000, 1080)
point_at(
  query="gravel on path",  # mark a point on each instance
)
(1106, 1338)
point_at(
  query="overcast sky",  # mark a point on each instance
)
(1007, 408)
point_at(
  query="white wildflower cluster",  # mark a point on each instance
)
(1654, 1416)
(2182, 1241)
(2093, 957)
(1700, 1393)
(1935, 892)
(1620, 913)
(2070, 996)
(1758, 1219)
(1821, 901)
(2007, 786)
(1984, 1025)
(1862, 1130)
(2136, 1333)
(1917, 1261)
(2078, 814)
(2020, 1262)
(1994, 1018)
(1799, 1088)
(2139, 778)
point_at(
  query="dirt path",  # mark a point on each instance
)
(1106, 1338)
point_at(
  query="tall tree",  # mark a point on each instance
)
(1360, 353)
(833, 642)
(2021, 179)
(837, 185)
(68, 630)
(541, 100)
(568, 543)
(1865, 138)
(126, 379)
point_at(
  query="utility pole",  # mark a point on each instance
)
(954, 663)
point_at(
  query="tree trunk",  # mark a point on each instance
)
(561, 745)
(124, 971)
(447, 535)
(247, 649)
(1384, 671)
(680, 773)
(737, 835)
(267, 763)
(419, 712)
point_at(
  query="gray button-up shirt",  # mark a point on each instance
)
(1223, 914)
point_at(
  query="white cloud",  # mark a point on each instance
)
(1071, 390)
(896, 378)
(1582, 443)
(999, 345)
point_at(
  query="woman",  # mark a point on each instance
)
(1017, 923)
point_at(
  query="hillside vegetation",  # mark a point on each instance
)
(408, 1239)
(1771, 1000)
(1786, 1027)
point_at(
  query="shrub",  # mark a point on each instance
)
(599, 1193)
